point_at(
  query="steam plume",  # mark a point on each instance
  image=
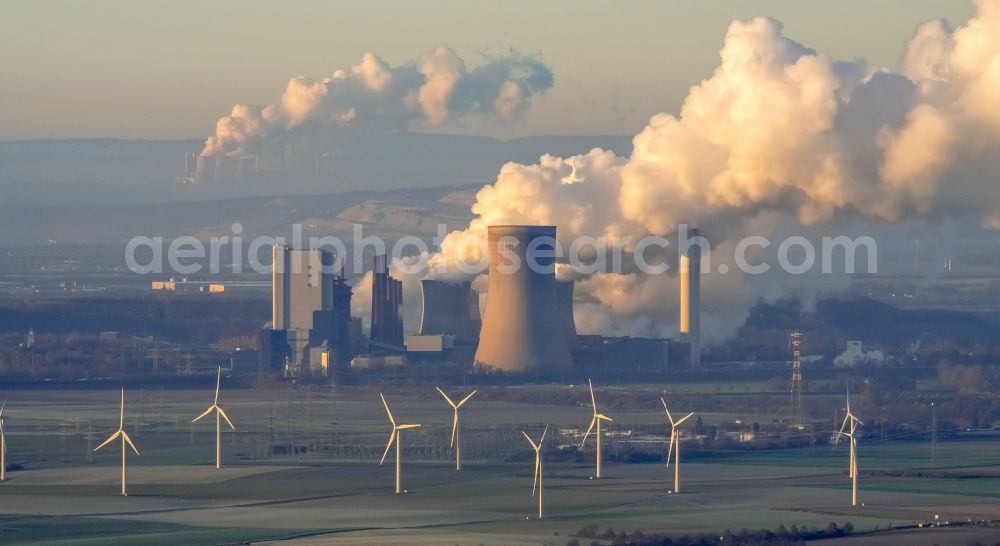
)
(431, 90)
(778, 140)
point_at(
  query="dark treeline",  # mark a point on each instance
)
(781, 536)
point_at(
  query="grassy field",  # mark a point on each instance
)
(177, 497)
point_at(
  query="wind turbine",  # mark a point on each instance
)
(850, 423)
(3, 445)
(125, 439)
(455, 432)
(396, 433)
(219, 412)
(537, 484)
(675, 445)
(596, 421)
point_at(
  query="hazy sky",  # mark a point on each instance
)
(170, 69)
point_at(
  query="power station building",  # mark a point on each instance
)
(311, 312)
(387, 303)
(690, 295)
(525, 328)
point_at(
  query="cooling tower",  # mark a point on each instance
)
(204, 169)
(522, 328)
(564, 299)
(225, 168)
(690, 285)
(450, 308)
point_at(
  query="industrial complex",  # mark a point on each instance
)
(526, 324)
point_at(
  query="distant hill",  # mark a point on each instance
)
(109, 171)
(390, 214)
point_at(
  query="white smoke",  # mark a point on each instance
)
(779, 140)
(431, 90)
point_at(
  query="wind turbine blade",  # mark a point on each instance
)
(454, 427)
(685, 418)
(406, 426)
(542, 439)
(108, 441)
(218, 382)
(605, 417)
(121, 414)
(848, 398)
(386, 404)
(530, 441)
(538, 463)
(670, 450)
(466, 399)
(450, 403)
(587, 435)
(858, 421)
(387, 446)
(129, 442)
(2, 408)
(209, 410)
(670, 417)
(222, 412)
(844, 424)
(593, 401)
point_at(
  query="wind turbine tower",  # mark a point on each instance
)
(537, 483)
(455, 430)
(3, 445)
(219, 413)
(126, 441)
(850, 424)
(674, 450)
(395, 437)
(595, 422)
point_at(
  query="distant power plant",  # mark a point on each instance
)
(311, 312)
(220, 168)
(387, 304)
(690, 285)
(524, 327)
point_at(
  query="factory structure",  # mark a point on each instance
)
(387, 306)
(526, 325)
(310, 329)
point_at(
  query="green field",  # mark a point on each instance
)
(308, 497)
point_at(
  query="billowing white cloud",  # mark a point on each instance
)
(432, 90)
(779, 140)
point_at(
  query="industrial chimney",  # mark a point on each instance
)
(690, 284)
(523, 328)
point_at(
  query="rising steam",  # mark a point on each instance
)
(779, 138)
(431, 90)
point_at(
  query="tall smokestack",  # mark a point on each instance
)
(690, 284)
(522, 327)
(279, 288)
